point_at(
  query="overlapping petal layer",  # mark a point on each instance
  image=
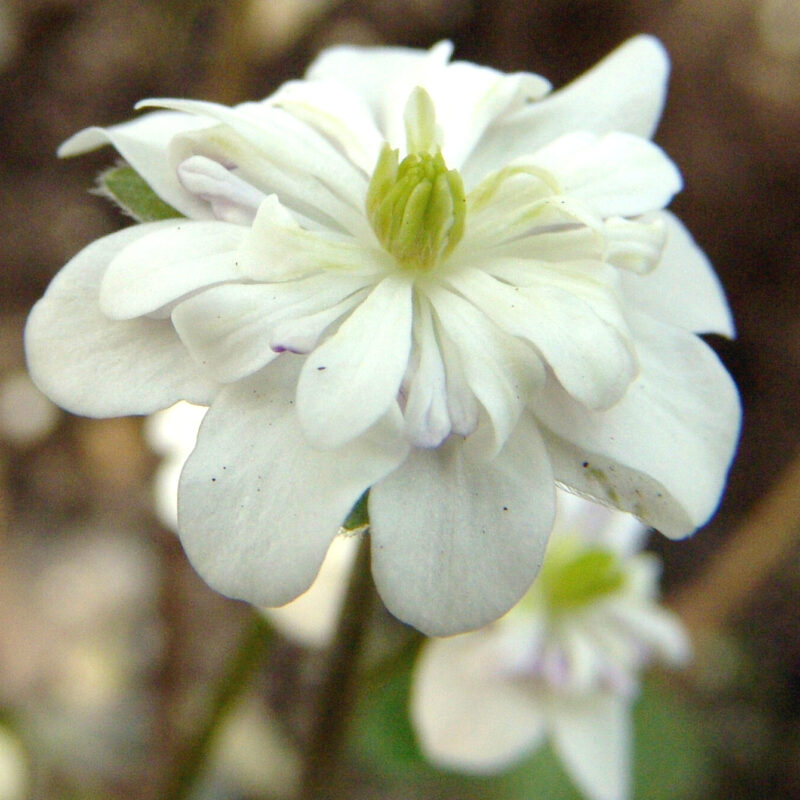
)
(144, 143)
(100, 367)
(168, 264)
(662, 451)
(257, 506)
(624, 92)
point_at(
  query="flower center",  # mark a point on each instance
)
(580, 578)
(416, 207)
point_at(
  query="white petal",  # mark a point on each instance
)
(426, 413)
(369, 69)
(267, 142)
(592, 359)
(513, 202)
(635, 245)
(664, 450)
(619, 655)
(311, 619)
(657, 629)
(600, 525)
(300, 334)
(683, 290)
(581, 655)
(616, 174)
(456, 542)
(99, 367)
(258, 507)
(594, 282)
(350, 380)
(568, 244)
(592, 736)
(644, 575)
(462, 405)
(623, 92)
(501, 371)
(167, 264)
(231, 198)
(313, 203)
(465, 715)
(229, 328)
(335, 109)
(468, 99)
(381, 75)
(278, 249)
(143, 143)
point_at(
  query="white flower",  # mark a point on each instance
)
(563, 664)
(427, 279)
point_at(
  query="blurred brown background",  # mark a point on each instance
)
(104, 630)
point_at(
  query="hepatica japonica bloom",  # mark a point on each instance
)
(420, 277)
(562, 666)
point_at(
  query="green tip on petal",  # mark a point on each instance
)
(581, 579)
(416, 207)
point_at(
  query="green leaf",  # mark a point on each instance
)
(672, 756)
(359, 515)
(124, 186)
(671, 759)
(382, 738)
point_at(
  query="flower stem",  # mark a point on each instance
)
(322, 761)
(246, 658)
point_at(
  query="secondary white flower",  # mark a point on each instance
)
(172, 433)
(425, 278)
(563, 664)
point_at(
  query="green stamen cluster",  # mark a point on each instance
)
(416, 207)
(580, 579)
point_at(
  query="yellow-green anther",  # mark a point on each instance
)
(581, 579)
(416, 207)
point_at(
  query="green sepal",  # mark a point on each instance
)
(359, 515)
(129, 190)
